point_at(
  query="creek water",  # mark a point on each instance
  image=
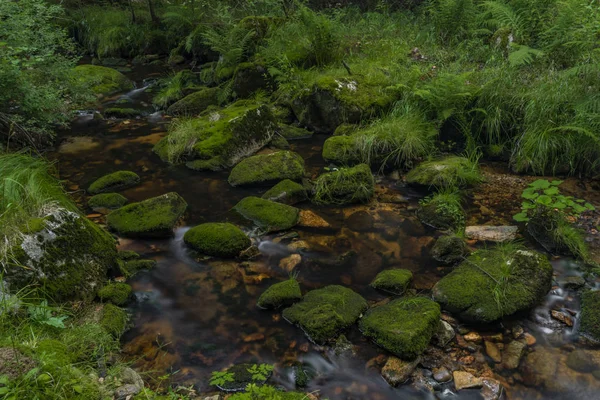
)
(192, 317)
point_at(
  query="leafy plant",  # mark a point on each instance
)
(45, 315)
(260, 372)
(219, 378)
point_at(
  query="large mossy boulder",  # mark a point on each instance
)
(393, 281)
(195, 103)
(341, 150)
(114, 320)
(442, 212)
(267, 169)
(219, 138)
(107, 200)
(117, 293)
(448, 172)
(404, 326)
(286, 192)
(217, 239)
(154, 217)
(281, 294)
(324, 313)
(65, 254)
(250, 77)
(491, 284)
(589, 320)
(449, 249)
(266, 214)
(290, 132)
(345, 186)
(115, 181)
(101, 80)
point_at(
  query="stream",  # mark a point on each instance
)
(192, 317)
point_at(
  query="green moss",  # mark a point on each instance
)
(491, 284)
(442, 211)
(267, 168)
(403, 327)
(196, 102)
(53, 351)
(557, 235)
(127, 255)
(149, 218)
(115, 181)
(290, 132)
(267, 214)
(213, 164)
(217, 239)
(130, 268)
(345, 186)
(341, 150)
(589, 321)
(114, 320)
(286, 192)
(102, 80)
(324, 313)
(116, 293)
(116, 112)
(345, 129)
(250, 77)
(444, 173)
(281, 294)
(394, 281)
(449, 249)
(107, 200)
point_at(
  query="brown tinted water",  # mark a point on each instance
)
(193, 316)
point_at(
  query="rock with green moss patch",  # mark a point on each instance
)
(54, 352)
(223, 137)
(404, 326)
(394, 281)
(195, 103)
(340, 150)
(441, 214)
(448, 172)
(118, 112)
(107, 200)
(116, 293)
(132, 267)
(267, 168)
(279, 142)
(64, 253)
(114, 320)
(281, 294)
(290, 132)
(491, 284)
(267, 214)
(324, 313)
(589, 321)
(115, 181)
(449, 249)
(127, 255)
(345, 129)
(345, 186)
(101, 80)
(153, 217)
(240, 376)
(217, 239)
(213, 164)
(250, 77)
(286, 192)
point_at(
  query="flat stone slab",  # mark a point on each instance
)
(491, 233)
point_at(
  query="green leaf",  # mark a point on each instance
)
(530, 194)
(521, 217)
(545, 200)
(556, 183)
(540, 184)
(528, 206)
(559, 205)
(551, 191)
(589, 206)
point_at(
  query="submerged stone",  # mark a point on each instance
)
(444, 173)
(286, 192)
(324, 313)
(449, 249)
(404, 326)
(267, 168)
(116, 293)
(491, 284)
(132, 267)
(290, 132)
(394, 281)
(107, 200)
(102, 80)
(280, 294)
(345, 186)
(441, 215)
(589, 320)
(267, 214)
(397, 371)
(195, 103)
(153, 217)
(217, 239)
(115, 181)
(491, 233)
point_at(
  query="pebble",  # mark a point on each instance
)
(562, 317)
(530, 339)
(309, 219)
(465, 380)
(512, 354)
(493, 351)
(517, 331)
(492, 389)
(473, 337)
(397, 371)
(290, 263)
(125, 391)
(444, 334)
(442, 374)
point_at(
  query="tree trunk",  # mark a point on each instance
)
(152, 14)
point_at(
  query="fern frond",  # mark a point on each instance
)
(523, 55)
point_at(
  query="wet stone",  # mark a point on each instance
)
(309, 219)
(562, 317)
(572, 282)
(581, 361)
(512, 354)
(397, 371)
(290, 263)
(126, 391)
(442, 375)
(491, 233)
(360, 221)
(493, 351)
(492, 389)
(473, 337)
(465, 380)
(444, 334)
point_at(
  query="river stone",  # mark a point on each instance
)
(469, 289)
(101, 80)
(582, 361)
(403, 327)
(492, 389)
(267, 214)
(324, 313)
(514, 351)
(154, 217)
(115, 181)
(442, 374)
(126, 392)
(449, 249)
(442, 216)
(129, 376)
(286, 192)
(589, 319)
(397, 371)
(117, 293)
(393, 281)
(465, 380)
(310, 219)
(290, 132)
(443, 334)
(267, 169)
(107, 200)
(572, 282)
(492, 350)
(448, 172)
(196, 102)
(491, 233)
(281, 294)
(345, 186)
(217, 239)
(360, 221)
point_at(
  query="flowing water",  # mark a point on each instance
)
(193, 316)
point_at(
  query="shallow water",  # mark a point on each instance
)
(193, 317)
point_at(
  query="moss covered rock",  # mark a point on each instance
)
(394, 281)
(223, 137)
(340, 150)
(250, 77)
(241, 375)
(217, 239)
(345, 186)
(290, 132)
(101, 80)
(195, 103)
(267, 168)
(491, 284)
(449, 249)
(116, 293)
(444, 173)
(65, 254)
(267, 214)
(589, 320)
(132, 267)
(114, 320)
(324, 313)
(281, 294)
(115, 181)
(149, 218)
(404, 326)
(441, 214)
(286, 192)
(107, 200)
